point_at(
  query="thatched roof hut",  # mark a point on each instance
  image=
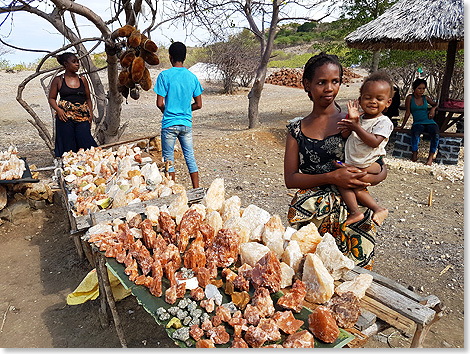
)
(412, 24)
(417, 25)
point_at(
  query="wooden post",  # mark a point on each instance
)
(450, 62)
(103, 313)
(110, 298)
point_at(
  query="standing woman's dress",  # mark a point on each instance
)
(323, 205)
(75, 133)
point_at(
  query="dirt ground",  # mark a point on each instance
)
(419, 245)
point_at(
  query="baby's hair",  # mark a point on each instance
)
(378, 76)
(318, 60)
(64, 57)
(418, 82)
(177, 51)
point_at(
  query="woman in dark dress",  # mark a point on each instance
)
(313, 146)
(74, 110)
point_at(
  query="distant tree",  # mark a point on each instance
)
(236, 59)
(360, 12)
(221, 18)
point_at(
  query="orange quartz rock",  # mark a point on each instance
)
(208, 305)
(195, 256)
(346, 309)
(224, 249)
(262, 300)
(241, 283)
(205, 343)
(203, 277)
(218, 335)
(238, 342)
(196, 332)
(148, 234)
(302, 339)
(168, 227)
(286, 321)
(197, 293)
(245, 270)
(255, 337)
(188, 227)
(208, 234)
(271, 328)
(294, 299)
(206, 325)
(223, 313)
(252, 314)
(323, 325)
(267, 273)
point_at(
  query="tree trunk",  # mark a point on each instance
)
(375, 61)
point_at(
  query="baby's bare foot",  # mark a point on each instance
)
(354, 217)
(379, 216)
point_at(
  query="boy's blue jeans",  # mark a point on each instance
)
(185, 137)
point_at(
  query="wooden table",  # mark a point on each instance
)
(447, 117)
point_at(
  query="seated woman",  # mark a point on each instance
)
(423, 121)
(74, 111)
(313, 146)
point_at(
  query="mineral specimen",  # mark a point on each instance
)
(216, 320)
(252, 314)
(178, 207)
(262, 300)
(203, 277)
(358, 285)
(212, 292)
(196, 332)
(228, 274)
(224, 248)
(270, 327)
(240, 226)
(168, 227)
(272, 235)
(195, 257)
(218, 335)
(214, 220)
(238, 342)
(286, 275)
(241, 283)
(148, 234)
(308, 238)
(286, 321)
(215, 195)
(245, 270)
(208, 234)
(174, 323)
(188, 227)
(294, 299)
(208, 305)
(255, 337)
(206, 325)
(323, 325)
(302, 339)
(181, 334)
(251, 252)
(231, 207)
(292, 255)
(205, 343)
(319, 283)
(241, 299)
(197, 294)
(267, 273)
(334, 261)
(256, 218)
(346, 309)
(224, 313)
(239, 325)
(170, 295)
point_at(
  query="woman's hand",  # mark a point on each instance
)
(349, 177)
(432, 112)
(61, 114)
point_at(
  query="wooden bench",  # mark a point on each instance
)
(441, 134)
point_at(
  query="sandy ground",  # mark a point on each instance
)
(418, 245)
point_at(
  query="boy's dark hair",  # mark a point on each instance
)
(177, 51)
(378, 76)
(64, 57)
(318, 60)
(418, 82)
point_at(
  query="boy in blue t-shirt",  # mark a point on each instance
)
(175, 89)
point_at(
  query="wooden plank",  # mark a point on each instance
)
(84, 222)
(388, 315)
(407, 307)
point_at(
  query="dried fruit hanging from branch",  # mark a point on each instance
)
(140, 51)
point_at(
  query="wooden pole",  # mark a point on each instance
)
(103, 313)
(450, 62)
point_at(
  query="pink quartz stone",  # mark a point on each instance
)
(148, 234)
(196, 332)
(223, 313)
(252, 314)
(197, 293)
(208, 305)
(206, 325)
(294, 299)
(302, 339)
(323, 325)
(270, 327)
(168, 227)
(255, 337)
(267, 273)
(262, 300)
(286, 322)
(346, 309)
(224, 248)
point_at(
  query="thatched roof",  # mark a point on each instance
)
(413, 24)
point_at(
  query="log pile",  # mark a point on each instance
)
(293, 77)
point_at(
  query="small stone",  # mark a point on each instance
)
(262, 300)
(181, 334)
(286, 321)
(292, 255)
(208, 305)
(186, 320)
(241, 299)
(358, 285)
(212, 292)
(238, 342)
(287, 273)
(205, 343)
(302, 339)
(196, 332)
(197, 294)
(252, 314)
(346, 309)
(255, 337)
(181, 314)
(294, 299)
(173, 310)
(318, 281)
(308, 238)
(174, 322)
(267, 273)
(218, 335)
(164, 317)
(269, 326)
(323, 325)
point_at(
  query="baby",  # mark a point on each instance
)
(367, 136)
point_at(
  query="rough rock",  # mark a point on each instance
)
(286, 275)
(308, 238)
(215, 196)
(196, 332)
(256, 218)
(205, 343)
(319, 283)
(294, 299)
(252, 314)
(286, 321)
(346, 309)
(271, 328)
(224, 248)
(267, 273)
(238, 342)
(358, 285)
(262, 300)
(334, 261)
(302, 339)
(178, 207)
(214, 219)
(231, 207)
(188, 228)
(240, 226)
(252, 252)
(218, 335)
(323, 325)
(292, 255)
(272, 235)
(255, 337)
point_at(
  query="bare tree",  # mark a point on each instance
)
(261, 17)
(63, 17)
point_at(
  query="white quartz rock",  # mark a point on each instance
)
(358, 285)
(286, 275)
(288, 233)
(215, 196)
(292, 255)
(256, 218)
(231, 207)
(212, 292)
(272, 235)
(178, 207)
(201, 209)
(333, 260)
(308, 238)
(214, 219)
(153, 214)
(318, 282)
(251, 252)
(239, 225)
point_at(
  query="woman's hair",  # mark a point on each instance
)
(177, 51)
(64, 57)
(418, 82)
(318, 60)
(376, 77)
